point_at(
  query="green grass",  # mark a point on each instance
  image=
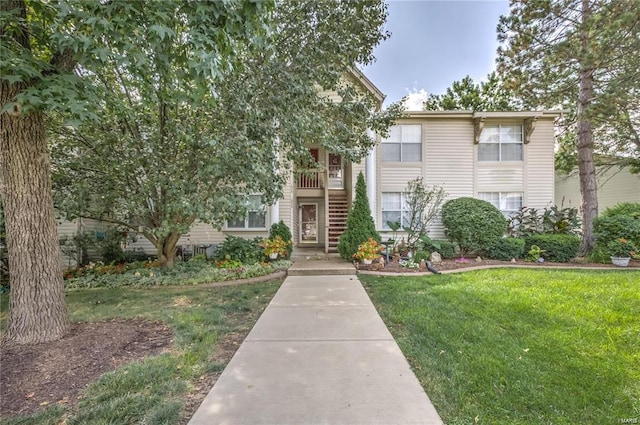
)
(519, 346)
(151, 391)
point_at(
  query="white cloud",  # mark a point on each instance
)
(414, 99)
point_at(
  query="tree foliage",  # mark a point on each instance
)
(467, 95)
(360, 225)
(581, 56)
(172, 145)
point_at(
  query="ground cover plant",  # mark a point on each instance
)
(95, 275)
(207, 324)
(520, 346)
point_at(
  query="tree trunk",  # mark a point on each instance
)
(586, 165)
(37, 309)
(167, 249)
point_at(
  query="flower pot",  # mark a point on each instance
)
(273, 255)
(620, 261)
(367, 261)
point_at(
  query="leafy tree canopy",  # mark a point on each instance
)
(542, 55)
(467, 95)
(175, 141)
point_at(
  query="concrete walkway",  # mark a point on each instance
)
(319, 354)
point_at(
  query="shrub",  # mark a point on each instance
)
(360, 226)
(607, 229)
(472, 223)
(282, 230)
(446, 249)
(110, 247)
(628, 209)
(555, 248)
(248, 251)
(505, 249)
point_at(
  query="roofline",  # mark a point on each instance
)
(484, 114)
(375, 91)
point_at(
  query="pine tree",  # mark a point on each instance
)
(360, 225)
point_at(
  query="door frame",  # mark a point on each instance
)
(300, 224)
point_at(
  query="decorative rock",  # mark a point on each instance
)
(436, 258)
(513, 260)
(478, 259)
(423, 265)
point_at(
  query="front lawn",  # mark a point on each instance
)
(208, 325)
(520, 346)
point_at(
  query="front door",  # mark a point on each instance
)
(336, 172)
(308, 223)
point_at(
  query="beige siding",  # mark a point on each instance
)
(539, 175)
(449, 160)
(615, 185)
(496, 177)
(395, 179)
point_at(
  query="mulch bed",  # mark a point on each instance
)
(39, 375)
(451, 266)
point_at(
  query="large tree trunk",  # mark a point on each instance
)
(37, 309)
(167, 249)
(586, 166)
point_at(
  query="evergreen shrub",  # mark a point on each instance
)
(472, 223)
(505, 249)
(360, 226)
(559, 248)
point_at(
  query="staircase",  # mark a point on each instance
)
(338, 210)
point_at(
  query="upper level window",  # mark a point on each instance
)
(404, 144)
(500, 143)
(507, 202)
(255, 217)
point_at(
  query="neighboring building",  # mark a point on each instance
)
(615, 184)
(505, 158)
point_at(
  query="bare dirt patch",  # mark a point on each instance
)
(39, 375)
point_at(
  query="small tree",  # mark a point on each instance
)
(423, 204)
(472, 223)
(360, 225)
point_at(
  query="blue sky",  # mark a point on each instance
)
(433, 44)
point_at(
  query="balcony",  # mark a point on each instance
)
(310, 179)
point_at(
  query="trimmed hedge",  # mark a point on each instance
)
(557, 248)
(607, 229)
(472, 223)
(505, 249)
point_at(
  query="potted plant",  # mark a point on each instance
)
(275, 247)
(621, 251)
(368, 251)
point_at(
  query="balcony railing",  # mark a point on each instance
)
(310, 179)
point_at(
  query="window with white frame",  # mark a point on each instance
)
(507, 202)
(394, 209)
(404, 144)
(501, 143)
(254, 218)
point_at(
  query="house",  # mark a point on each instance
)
(505, 158)
(615, 184)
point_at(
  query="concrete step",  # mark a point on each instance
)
(332, 266)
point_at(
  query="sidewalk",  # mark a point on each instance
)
(319, 354)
